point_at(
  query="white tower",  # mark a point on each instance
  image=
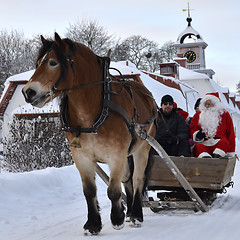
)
(191, 45)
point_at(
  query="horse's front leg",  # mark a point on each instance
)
(86, 168)
(115, 193)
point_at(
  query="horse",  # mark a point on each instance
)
(99, 113)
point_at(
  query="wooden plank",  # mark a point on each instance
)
(157, 206)
(156, 184)
(229, 171)
(212, 173)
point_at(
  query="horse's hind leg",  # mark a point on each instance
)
(115, 193)
(127, 182)
(87, 172)
(140, 162)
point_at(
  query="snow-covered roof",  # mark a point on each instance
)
(158, 89)
(16, 78)
(186, 74)
(51, 107)
(189, 31)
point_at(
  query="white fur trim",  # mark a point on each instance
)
(194, 138)
(213, 98)
(230, 154)
(220, 152)
(204, 154)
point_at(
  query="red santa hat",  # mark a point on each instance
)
(214, 97)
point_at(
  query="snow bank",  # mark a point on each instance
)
(49, 204)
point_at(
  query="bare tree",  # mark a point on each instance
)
(238, 89)
(16, 54)
(91, 34)
(168, 51)
(136, 49)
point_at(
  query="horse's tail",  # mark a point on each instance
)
(130, 163)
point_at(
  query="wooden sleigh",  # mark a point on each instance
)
(207, 176)
(183, 182)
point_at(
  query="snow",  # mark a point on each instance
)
(49, 204)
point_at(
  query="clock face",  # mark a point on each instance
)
(190, 55)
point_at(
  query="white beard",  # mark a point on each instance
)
(209, 119)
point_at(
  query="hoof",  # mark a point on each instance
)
(128, 219)
(92, 229)
(135, 223)
(88, 233)
(118, 227)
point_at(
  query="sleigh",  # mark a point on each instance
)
(207, 176)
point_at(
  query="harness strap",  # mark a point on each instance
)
(116, 108)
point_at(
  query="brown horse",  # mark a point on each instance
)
(99, 113)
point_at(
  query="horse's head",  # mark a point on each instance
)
(53, 65)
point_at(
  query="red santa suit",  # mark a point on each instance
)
(217, 125)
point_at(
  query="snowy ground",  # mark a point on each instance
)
(49, 204)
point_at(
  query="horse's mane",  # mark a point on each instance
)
(50, 44)
(61, 55)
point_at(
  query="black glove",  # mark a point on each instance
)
(200, 135)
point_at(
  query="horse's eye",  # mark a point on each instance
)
(52, 63)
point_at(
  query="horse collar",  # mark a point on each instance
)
(105, 109)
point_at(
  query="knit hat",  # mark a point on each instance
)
(167, 98)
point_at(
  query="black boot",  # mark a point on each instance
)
(216, 156)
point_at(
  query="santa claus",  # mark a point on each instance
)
(212, 129)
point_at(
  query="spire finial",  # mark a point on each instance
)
(189, 19)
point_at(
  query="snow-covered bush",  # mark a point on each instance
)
(36, 144)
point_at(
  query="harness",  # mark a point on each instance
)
(107, 103)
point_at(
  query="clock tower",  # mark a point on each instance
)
(191, 45)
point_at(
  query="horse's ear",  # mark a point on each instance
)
(44, 41)
(58, 40)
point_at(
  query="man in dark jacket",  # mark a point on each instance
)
(172, 130)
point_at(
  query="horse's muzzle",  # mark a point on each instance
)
(29, 95)
(36, 100)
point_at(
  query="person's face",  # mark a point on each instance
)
(208, 104)
(197, 109)
(167, 107)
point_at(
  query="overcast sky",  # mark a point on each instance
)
(158, 20)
